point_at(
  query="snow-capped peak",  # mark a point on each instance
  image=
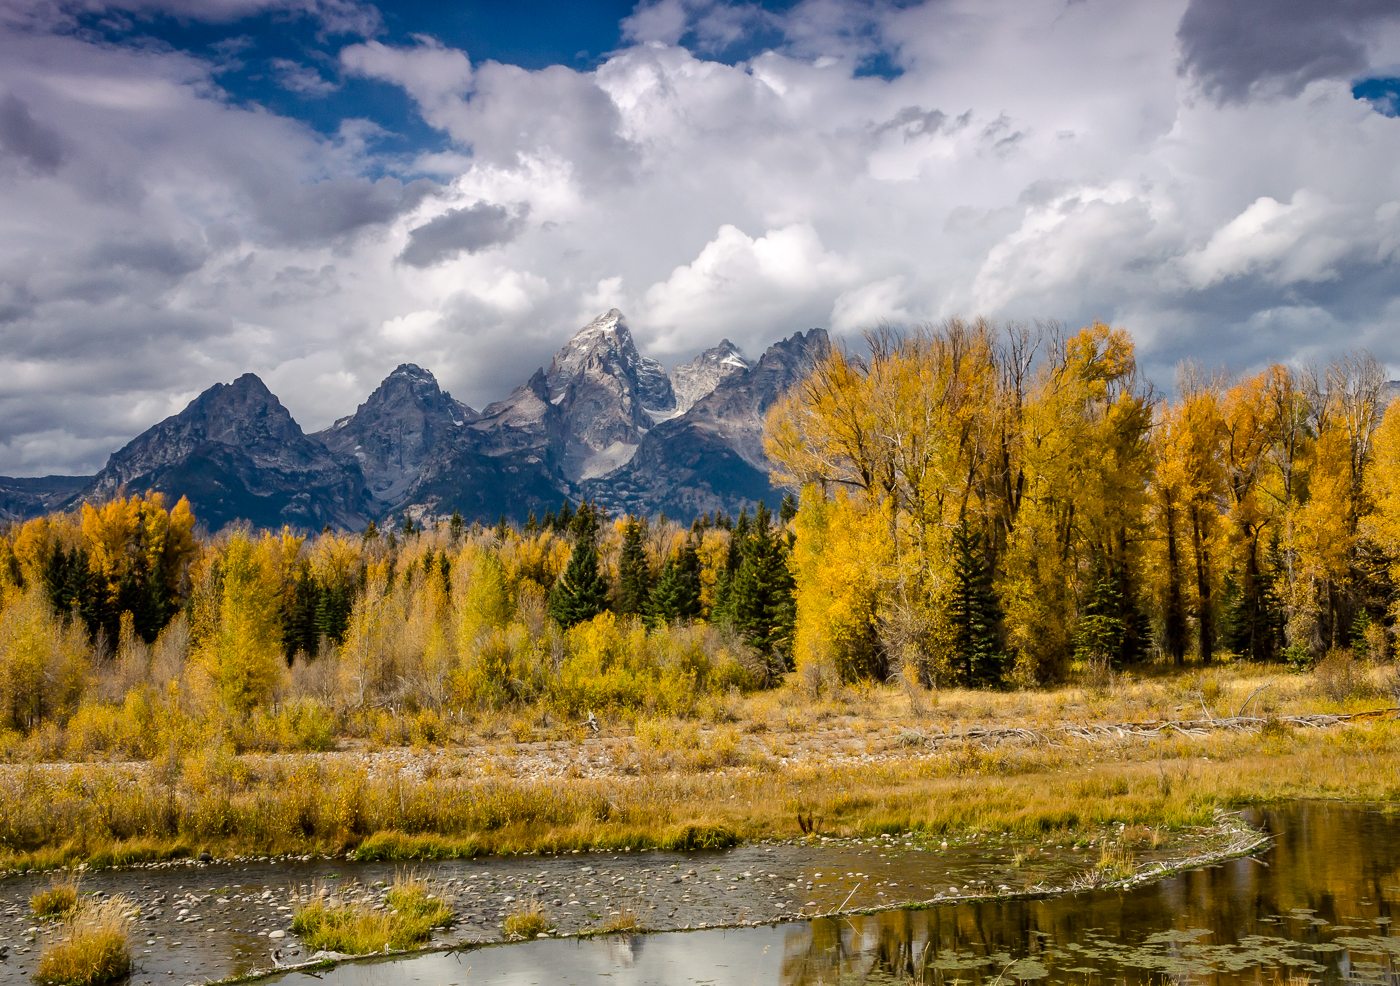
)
(698, 377)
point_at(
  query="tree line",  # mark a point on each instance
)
(127, 603)
(986, 505)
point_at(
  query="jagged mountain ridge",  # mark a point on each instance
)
(392, 434)
(712, 456)
(602, 420)
(237, 453)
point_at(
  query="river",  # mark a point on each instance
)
(1314, 905)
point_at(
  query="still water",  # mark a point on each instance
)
(1316, 906)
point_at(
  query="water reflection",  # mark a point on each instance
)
(1316, 907)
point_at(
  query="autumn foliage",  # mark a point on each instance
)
(988, 506)
(980, 506)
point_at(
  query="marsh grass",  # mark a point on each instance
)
(485, 800)
(57, 899)
(412, 909)
(94, 947)
(529, 920)
(1115, 863)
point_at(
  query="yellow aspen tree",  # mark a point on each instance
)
(1382, 524)
(838, 563)
(241, 652)
(43, 662)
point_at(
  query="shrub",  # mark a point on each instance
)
(1341, 677)
(94, 948)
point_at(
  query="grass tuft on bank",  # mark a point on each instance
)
(94, 948)
(412, 909)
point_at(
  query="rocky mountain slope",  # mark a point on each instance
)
(712, 456)
(397, 430)
(602, 421)
(238, 455)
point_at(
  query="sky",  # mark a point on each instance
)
(319, 190)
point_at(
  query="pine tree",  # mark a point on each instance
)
(581, 593)
(299, 631)
(677, 593)
(760, 598)
(788, 509)
(332, 611)
(633, 572)
(1252, 622)
(1111, 630)
(975, 613)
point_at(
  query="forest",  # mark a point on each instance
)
(980, 506)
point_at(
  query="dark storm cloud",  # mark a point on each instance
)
(1236, 47)
(26, 138)
(469, 230)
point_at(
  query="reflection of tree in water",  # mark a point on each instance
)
(1237, 923)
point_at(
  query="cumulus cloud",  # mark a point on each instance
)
(1154, 163)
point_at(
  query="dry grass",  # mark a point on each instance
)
(853, 759)
(411, 910)
(94, 947)
(57, 899)
(526, 921)
(623, 922)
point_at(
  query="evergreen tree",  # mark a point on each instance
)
(585, 521)
(677, 593)
(299, 631)
(1252, 622)
(1111, 629)
(633, 572)
(581, 593)
(371, 533)
(456, 527)
(975, 613)
(333, 611)
(760, 595)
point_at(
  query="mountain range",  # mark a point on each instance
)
(602, 421)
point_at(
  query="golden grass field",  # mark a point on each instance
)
(861, 761)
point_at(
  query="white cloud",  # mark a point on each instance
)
(1032, 158)
(737, 281)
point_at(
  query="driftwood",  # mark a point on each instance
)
(993, 735)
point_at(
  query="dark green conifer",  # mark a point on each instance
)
(633, 572)
(975, 613)
(677, 593)
(581, 592)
